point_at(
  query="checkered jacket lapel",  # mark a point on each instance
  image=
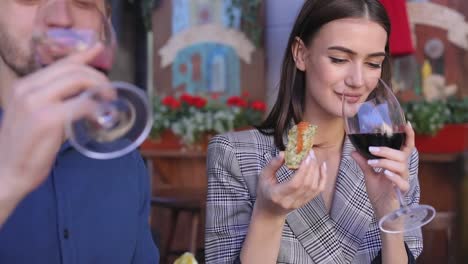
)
(311, 224)
(334, 237)
(351, 210)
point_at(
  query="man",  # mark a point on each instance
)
(57, 206)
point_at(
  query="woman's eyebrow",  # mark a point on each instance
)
(351, 52)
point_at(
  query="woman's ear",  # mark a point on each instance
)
(299, 51)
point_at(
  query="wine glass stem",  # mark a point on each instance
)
(400, 197)
(107, 116)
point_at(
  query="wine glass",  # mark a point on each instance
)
(116, 127)
(378, 120)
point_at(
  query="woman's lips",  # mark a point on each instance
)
(350, 98)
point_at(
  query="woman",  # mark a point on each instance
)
(327, 211)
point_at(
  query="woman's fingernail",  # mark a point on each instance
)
(374, 149)
(372, 161)
(324, 164)
(312, 154)
(389, 173)
(409, 123)
(310, 157)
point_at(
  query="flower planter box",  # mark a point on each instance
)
(167, 140)
(452, 138)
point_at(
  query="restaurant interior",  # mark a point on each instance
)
(196, 52)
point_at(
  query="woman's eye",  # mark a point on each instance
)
(28, 2)
(85, 3)
(337, 60)
(374, 65)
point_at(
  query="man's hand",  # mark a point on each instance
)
(32, 126)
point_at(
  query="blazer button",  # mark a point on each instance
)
(66, 233)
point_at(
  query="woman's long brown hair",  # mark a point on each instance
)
(289, 105)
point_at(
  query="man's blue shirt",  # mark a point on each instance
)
(87, 211)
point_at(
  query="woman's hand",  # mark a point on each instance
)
(278, 199)
(394, 173)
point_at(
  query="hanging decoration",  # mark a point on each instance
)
(400, 36)
(435, 15)
(207, 46)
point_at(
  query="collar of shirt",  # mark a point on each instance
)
(65, 146)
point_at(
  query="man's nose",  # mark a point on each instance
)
(57, 13)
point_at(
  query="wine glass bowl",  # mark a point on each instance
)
(379, 121)
(55, 43)
(116, 126)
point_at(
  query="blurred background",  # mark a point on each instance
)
(212, 66)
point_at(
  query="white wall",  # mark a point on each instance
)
(280, 16)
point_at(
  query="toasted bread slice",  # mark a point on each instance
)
(300, 141)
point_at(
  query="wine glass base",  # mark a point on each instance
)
(407, 219)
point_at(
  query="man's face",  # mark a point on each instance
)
(20, 18)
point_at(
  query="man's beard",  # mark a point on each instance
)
(13, 57)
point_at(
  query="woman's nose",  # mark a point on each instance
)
(355, 77)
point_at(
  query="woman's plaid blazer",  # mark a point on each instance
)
(348, 234)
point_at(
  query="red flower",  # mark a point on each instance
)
(171, 102)
(199, 102)
(232, 100)
(236, 101)
(259, 106)
(187, 98)
(176, 104)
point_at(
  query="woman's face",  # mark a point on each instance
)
(345, 56)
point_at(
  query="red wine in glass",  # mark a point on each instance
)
(377, 120)
(362, 142)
